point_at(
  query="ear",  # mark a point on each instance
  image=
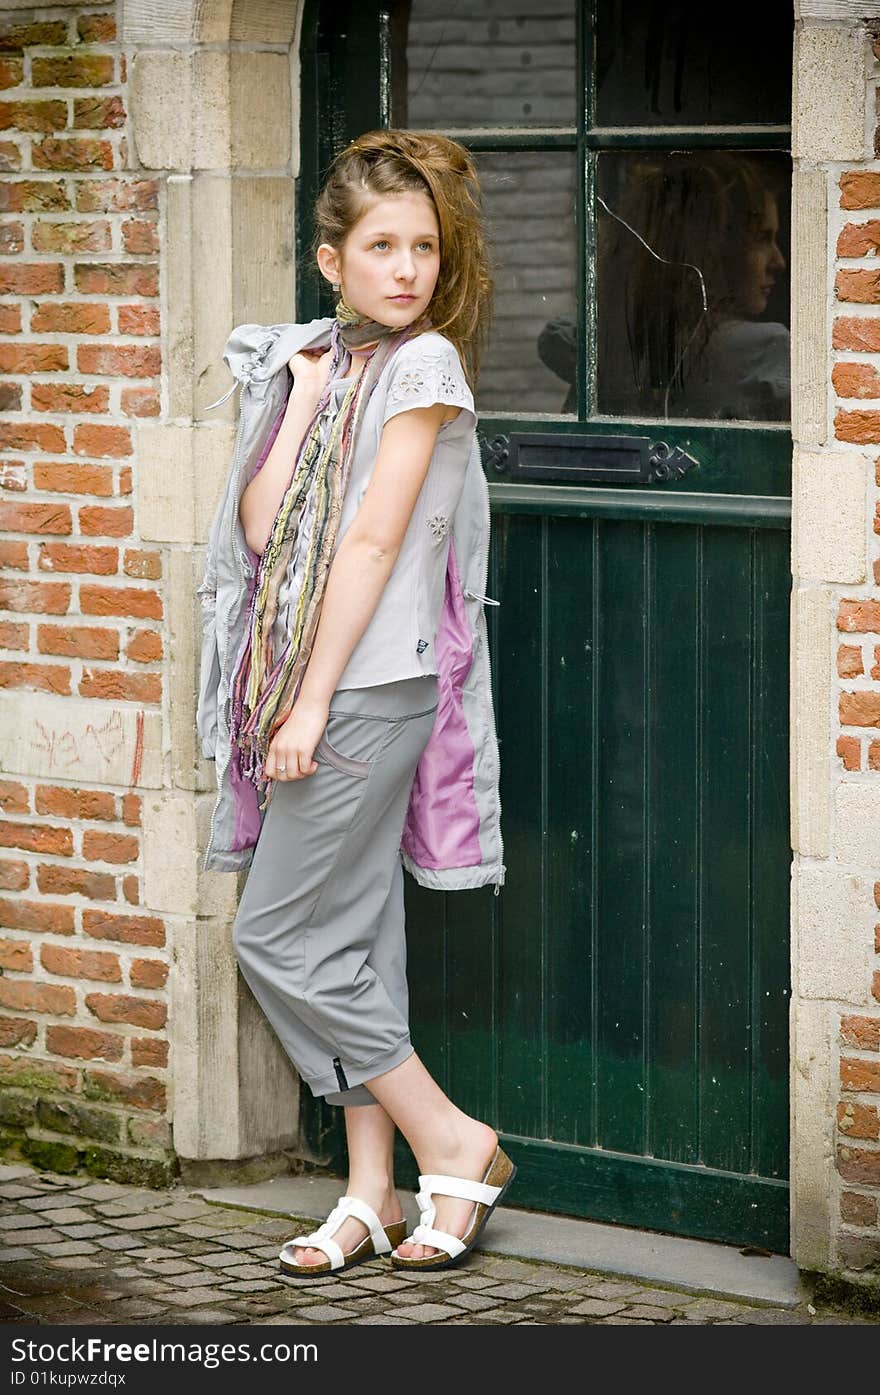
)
(328, 262)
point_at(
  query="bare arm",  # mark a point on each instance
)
(361, 566)
(262, 497)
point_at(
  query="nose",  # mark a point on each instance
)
(405, 269)
(777, 261)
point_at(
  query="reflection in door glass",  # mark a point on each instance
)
(696, 323)
(678, 63)
(484, 63)
(529, 204)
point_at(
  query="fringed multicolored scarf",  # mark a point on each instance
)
(265, 683)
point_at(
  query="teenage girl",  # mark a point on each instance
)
(319, 932)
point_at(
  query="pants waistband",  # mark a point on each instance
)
(402, 698)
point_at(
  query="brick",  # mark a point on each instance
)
(81, 1043)
(859, 709)
(861, 1032)
(81, 963)
(70, 1117)
(13, 554)
(38, 997)
(122, 360)
(145, 647)
(40, 917)
(24, 436)
(72, 153)
(13, 875)
(40, 1074)
(120, 600)
(11, 238)
(148, 973)
(35, 518)
(117, 195)
(73, 557)
(856, 334)
(875, 986)
(141, 319)
(11, 72)
(140, 402)
(78, 642)
(114, 686)
(149, 1051)
(106, 522)
(70, 317)
(859, 239)
(14, 636)
(142, 563)
(33, 116)
(13, 797)
(859, 427)
(17, 1031)
(859, 1252)
(16, 37)
(98, 846)
(125, 480)
(860, 189)
(858, 1209)
(115, 278)
(861, 286)
(140, 236)
(31, 278)
(34, 837)
(67, 238)
(76, 881)
(17, 955)
(849, 748)
(142, 1092)
(858, 1120)
(131, 809)
(859, 616)
(33, 196)
(875, 669)
(12, 471)
(859, 1075)
(48, 598)
(94, 113)
(69, 397)
(67, 477)
(849, 661)
(10, 315)
(71, 803)
(127, 929)
(855, 380)
(96, 29)
(35, 678)
(10, 159)
(874, 755)
(91, 439)
(121, 1007)
(76, 70)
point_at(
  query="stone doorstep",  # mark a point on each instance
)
(692, 1266)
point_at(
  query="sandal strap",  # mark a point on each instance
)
(457, 1186)
(439, 1239)
(316, 1241)
(355, 1207)
(322, 1238)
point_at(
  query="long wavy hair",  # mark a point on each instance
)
(385, 162)
(699, 209)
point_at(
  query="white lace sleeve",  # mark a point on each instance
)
(423, 373)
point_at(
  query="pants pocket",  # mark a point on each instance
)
(352, 743)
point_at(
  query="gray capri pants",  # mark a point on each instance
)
(319, 931)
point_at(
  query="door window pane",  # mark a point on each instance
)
(529, 202)
(718, 220)
(678, 63)
(484, 63)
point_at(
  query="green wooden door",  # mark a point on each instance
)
(619, 1013)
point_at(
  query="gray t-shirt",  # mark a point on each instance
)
(399, 639)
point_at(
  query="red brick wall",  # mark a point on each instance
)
(83, 967)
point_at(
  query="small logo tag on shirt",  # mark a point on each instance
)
(421, 646)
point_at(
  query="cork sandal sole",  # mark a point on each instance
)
(500, 1173)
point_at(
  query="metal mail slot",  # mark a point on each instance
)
(585, 459)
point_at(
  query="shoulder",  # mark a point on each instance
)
(427, 369)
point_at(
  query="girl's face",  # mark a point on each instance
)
(763, 262)
(389, 263)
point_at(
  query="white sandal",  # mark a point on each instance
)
(487, 1194)
(379, 1241)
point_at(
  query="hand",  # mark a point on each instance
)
(295, 740)
(310, 369)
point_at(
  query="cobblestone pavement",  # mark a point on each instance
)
(73, 1250)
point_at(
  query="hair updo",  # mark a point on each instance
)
(382, 163)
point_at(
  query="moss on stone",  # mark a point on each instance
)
(50, 1156)
(17, 1110)
(68, 1116)
(157, 1173)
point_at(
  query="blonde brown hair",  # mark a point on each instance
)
(385, 162)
